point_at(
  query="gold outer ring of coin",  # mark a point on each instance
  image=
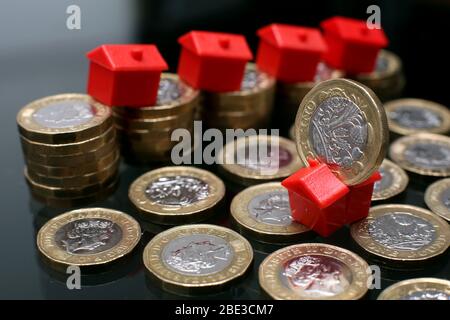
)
(43, 149)
(373, 112)
(259, 230)
(131, 234)
(185, 103)
(399, 146)
(436, 108)
(164, 214)
(433, 198)
(162, 123)
(31, 130)
(249, 176)
(360, 233)
(190, 284)
(406, 287)
(399, 181)
(270, 271)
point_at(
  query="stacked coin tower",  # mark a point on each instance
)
(251, 107)
(70, 149)
(144, 133)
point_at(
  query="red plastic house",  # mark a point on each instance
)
(125, 75)
(213, 61)
(320, 201)
(352, 46)
(290, 53)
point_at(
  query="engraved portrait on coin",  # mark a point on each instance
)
(415, 117)
(428, 155)
(169, 90)
(197, 254)
(426, 295)
(177, 190)
(88, 236)
(271, 208)
(338, 131)
(63, 114)
(402, 231)
(317, 276)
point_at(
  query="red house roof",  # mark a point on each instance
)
(128, 57)
(354, 30)
(216, 44)
(287, 36)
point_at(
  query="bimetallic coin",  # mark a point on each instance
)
(402, 233)
(417, 289)
(263, 211)
(437, 198)
(314, 271)
(197, 258)
(342, 123)
(64, 118)
(393, 181)
(408, 116)
(422, 153)
(88, 237)
(172, 195)
(259, 158)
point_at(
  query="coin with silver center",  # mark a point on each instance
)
(417, 289)
(64, 118)
(263, 212)
(314, 271)
(197, 258)
(172, 195)
(393, 181)
(402, 233)
(408, 116)
(422, 153)
(342, 123)
(259, 158)
(88, 237)
(437, 198)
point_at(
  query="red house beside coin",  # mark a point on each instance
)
(125, 74)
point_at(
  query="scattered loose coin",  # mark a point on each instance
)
(88, 237)
(343, 124)
(402, 233)
(393, 181)
(422, 153)
(263, 211)
(417, 289)
(437, 198)
(254, 159)
(197, 258)
(408, 116)
(312, 271)
(172, 195)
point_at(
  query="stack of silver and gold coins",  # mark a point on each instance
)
(70, 149)
(387, 80)
(251, 107)
(289, 95)
(144, 134)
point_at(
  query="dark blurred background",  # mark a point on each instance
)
(39, 56)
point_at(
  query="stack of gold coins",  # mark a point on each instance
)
(251, 107)
(144, 133)
(70, 149)
(289, 95)
(387, 80)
